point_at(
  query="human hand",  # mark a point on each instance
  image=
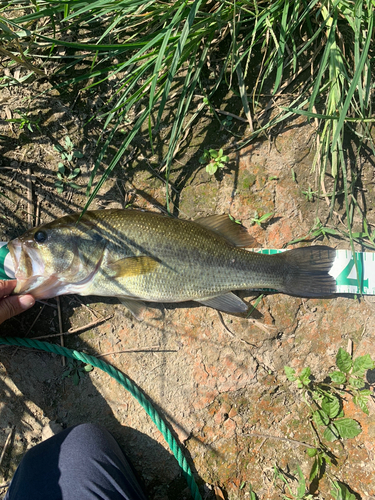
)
(10, 305)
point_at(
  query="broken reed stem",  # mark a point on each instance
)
(269, 436)
(46, 303)
(37, 211)
(75, 330)
(30, 208)
(63, 360)
(153, 348)
(7, 441)
(227, 113)
(35, 320)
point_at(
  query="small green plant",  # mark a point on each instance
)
(251, 495)
(227, 122)
(25, 121)
(316, 231)
(263, 219)
(351, 376)
(325, 402)
(67, 172)
(310, 194)
(65, 177)
(214, 160)
(301, 493)
(68, 151)
(339, 490)
(234, 220)
(76, 370)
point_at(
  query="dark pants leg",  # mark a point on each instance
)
(81, 463)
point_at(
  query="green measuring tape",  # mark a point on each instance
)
(6, 264)
(354, 274)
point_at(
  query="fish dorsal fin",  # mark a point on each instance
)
(228, 229)
(132, 266)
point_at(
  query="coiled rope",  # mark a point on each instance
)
(129, 386)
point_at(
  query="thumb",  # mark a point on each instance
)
(15, 304)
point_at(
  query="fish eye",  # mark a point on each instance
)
(40, 236)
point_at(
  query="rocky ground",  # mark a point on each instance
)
(218, 379)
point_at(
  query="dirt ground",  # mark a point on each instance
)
(218, 379)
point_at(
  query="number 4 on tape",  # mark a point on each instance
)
(346, 267)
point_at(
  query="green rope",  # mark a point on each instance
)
(129, 386)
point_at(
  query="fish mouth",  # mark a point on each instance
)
(30, 271)
(27, 260)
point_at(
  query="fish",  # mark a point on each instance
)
(141, 256)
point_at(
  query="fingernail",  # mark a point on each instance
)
(26, 301)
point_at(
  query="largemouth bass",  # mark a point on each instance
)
(145, 256)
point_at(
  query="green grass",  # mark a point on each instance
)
(295, 58)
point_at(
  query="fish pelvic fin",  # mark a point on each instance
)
(135, 306)
(235, 233)
(132, 266)
(228, 302)
(308, 271)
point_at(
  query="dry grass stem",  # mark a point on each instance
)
(269, 436)
(7, 441)
(63, 360)
(75, 330)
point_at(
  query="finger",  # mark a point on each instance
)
(7, 287)
(11, 306)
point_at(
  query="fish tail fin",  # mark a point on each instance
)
(308, 271)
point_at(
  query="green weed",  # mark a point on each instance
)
(214, 160)
(325, 403)
(67, 172)
(263, 219)
(76, 370)
(227, 122)
(66, 177)
(237, 221)
(310, 194)
(301, 493)
(68, 152)
(318, 230)
(25, 121)
(340, 491)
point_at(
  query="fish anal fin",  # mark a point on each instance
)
(228, 302)
(132, 266)
(135, 306)
(235, 233)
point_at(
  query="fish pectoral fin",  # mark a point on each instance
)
(229, 302)
(228, 229)
(135, 306)
(132, 266)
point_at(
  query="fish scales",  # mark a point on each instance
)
(194, 263)
(143, 255)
